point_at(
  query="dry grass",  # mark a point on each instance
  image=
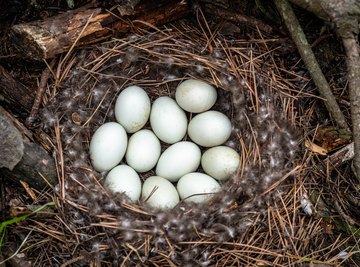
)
(258, 218)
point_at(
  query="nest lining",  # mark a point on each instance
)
(253, 220)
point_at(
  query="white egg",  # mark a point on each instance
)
(132, 108)
(220, 162)
(177, 160)
(195, 95)
(168, 120)
(197, 187)
(157, 192)
(143, 151)
(124, 179)
(108, 146)
(211, 128)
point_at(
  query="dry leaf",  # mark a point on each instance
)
(315, 148)
(330, 139)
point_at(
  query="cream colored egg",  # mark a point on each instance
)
(195, 95)
(124, 179)
(132, 108)
(220, 162)
(197, 187)
(159, 193)
(168, 120)
(177, 160)
(208, 129)
(143, 151)
(108, 146)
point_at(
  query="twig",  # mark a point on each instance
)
(239, 18)
(340, 156)
(342, 213)
(72, 261)
(312, 65)
(40, 93)
(345, 14)
(18, 250)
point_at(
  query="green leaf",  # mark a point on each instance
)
(70, 3)
(4, 224)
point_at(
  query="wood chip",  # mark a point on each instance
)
(315, 148)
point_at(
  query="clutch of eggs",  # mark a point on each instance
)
(177, 177)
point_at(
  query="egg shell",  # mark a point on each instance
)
(124, 179)
(220, 162)
(132, 108)
(143, 150)
(107, 146)
(168, 120)
(208, 129)
(177, 160)
(159, 193)
(197, 187)
(195, 95)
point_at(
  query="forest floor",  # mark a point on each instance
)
(302, 212)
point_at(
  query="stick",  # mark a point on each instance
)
(41, 40)
(16, 96)
(39, 94)
(237, 18)
(339, 157)
(311, 64)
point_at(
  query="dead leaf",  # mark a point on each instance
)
(330, 139)
(28, 190)
(76, 118)
(315, 148)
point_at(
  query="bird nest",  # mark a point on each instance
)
(256, 219)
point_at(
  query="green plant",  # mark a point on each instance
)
(4, 224)
(70, 3)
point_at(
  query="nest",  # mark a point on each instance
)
(255, 220)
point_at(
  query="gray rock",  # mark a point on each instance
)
(11, 143)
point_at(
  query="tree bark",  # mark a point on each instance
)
(14, 94)
(236, 17)
(353, 63)
(346, 15)
(312, 6)
(44, 39)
